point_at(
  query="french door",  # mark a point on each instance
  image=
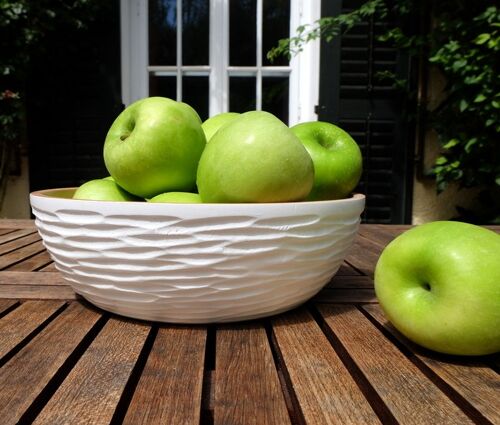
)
(211, 54)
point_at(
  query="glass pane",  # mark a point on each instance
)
(275, 96)
(242, 32)
(195, 23)
(163, 86)
(241, 94)
(162, 32)
(195, 94)
(275, 26)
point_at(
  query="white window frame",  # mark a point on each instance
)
(303, 70)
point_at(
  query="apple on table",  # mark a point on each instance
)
(439, 285)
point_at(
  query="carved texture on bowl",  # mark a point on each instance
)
(198, 270)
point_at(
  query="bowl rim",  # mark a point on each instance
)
(49, 194)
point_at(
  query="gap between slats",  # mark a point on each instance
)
(473, 413)
(32, 334)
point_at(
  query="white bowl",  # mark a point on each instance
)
(195, 263)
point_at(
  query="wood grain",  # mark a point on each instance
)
(6, 304)
(350, 282)
(24, 376)
(17, 325)
(247, 388)
(407, 392)
(19, 243)
(21, 254)
(377, 234)
(15, 234)
(33, 263)
(49, 268)
(364, 255)
(349, 296)
(47, 292)
(470, 377)
(325, 390)
(347, 270)
(17, 224)
(32, 278)
(93, 388)
(170, 388)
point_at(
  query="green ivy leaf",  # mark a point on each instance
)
(451, 143)
(463, 105)
(480, 98)
(482, 38)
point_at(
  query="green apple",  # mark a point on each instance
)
(336, 157)
(254, 158)
(212, 125)
(177, 197)
(439, 285)
(103, 190)
(154, 146)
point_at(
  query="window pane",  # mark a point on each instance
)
(243, 32)
(275, 26)
(195, 94)
(241, 94)
(162, 32)
(195, 23)
(275, 96)
(162, 86)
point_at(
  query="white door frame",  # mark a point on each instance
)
(303, 70)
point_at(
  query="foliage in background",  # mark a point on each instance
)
(463, 43)
(24, 24)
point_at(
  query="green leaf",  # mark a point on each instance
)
(480, 98)
(441, 160)
(482, 38)
(463, 105)
(470, 144)
(451, 143)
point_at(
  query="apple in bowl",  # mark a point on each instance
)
(154, 146)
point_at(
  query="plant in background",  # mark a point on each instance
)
(464, 45)
(24, 24)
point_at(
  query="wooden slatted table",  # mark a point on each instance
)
(334, 360)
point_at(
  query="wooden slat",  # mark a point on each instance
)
(364, 255)
(17, 224)
(47, 292)
(32, 278)
(349, 296)
(49, 268)
(411, 397)
(15, 235)
(347, 270)
(33, 263)
(21, 254)
(351, 282)
(22, 321)
(247, 388)
(18, 243)
(92, 390)
(5, 231)
(475, 381)
(170, 387)
(377, 234)
(6, 304)
(25, 375)
(325, 390)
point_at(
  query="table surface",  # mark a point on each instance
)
(333, 360)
